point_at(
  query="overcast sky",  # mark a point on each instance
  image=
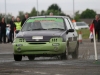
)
(13, 6)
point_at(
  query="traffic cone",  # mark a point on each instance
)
(80, 37)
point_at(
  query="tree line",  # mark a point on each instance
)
(56, 10)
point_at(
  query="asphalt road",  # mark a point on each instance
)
(85, 65)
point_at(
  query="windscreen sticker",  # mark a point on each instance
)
(45, 19)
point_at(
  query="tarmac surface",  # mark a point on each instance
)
(85, 65)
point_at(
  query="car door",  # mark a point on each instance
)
(71, 36)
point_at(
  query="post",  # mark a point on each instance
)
(37, 7)
(5, 12)
(95, 48)
(58, 11)
(73, 9)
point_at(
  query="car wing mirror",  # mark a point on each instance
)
(70, 30)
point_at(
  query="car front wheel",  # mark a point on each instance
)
(64, 56)
(75, 53)
(30, 57)
(17, 57)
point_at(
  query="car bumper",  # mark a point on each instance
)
(47, 48)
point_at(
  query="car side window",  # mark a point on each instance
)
(67, 24)
(71, 24)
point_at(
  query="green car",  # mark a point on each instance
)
(46, 36)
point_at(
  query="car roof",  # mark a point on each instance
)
(49, 16)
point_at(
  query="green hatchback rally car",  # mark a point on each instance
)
(46, 36)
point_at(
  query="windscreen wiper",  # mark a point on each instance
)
(39, 29)
(36, 29)
(29, 30)
(55, 28)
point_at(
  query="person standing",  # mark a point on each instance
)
(3, 30)
(96, 23)
(26, 17)
(12, 26)
(8, 33)
(17, 25)
(51, 14)
(0, 34)
(91, 26)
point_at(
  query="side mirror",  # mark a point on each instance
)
(70, 30)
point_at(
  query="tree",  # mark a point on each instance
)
(88, 13)
(42, 12)
(55, 12)
(33, 12)
(21, 14)
(62, 14)
(0, 17)
(55, 9)
(8, 17)
(77, 16)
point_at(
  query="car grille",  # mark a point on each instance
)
(37, 43)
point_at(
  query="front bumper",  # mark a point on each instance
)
(44, 48)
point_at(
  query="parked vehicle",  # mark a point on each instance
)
(46, 36)
(81, 25)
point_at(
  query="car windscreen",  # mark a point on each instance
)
(44, 24)
(81, 24)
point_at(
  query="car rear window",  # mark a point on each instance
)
(44, 23)
(81, 24)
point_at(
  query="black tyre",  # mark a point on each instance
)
(64, 56)
(30, 57)
(17, 57)
(75, 53)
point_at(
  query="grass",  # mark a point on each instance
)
(85, 33)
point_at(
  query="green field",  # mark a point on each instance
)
(85, 33)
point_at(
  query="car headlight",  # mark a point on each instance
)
(55, 44)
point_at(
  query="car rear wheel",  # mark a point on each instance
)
(75, 53)
(17, 57)
(30, 57)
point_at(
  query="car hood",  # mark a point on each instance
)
(41, 33)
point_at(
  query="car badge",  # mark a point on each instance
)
(37, 39)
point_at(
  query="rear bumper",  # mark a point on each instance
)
(39, 49)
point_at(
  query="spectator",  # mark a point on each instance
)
(51, 14)
(26, 17)
(18, 25)
(96, 23)
(8, 32)
(91, 31)
(12, 26)
(0, 34)
(3, 30)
